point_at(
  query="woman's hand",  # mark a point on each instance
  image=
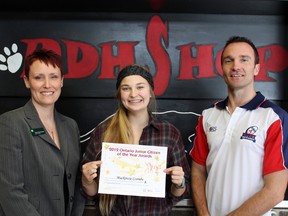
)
(178, 180)
(177, 175)
(89, 173)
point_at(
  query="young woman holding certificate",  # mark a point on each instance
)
(134, 123)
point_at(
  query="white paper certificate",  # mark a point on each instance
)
(135, 170)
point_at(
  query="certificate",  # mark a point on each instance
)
(135, 170)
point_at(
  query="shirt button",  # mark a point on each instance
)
(69, 175)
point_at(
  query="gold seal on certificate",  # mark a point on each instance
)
(135, 170)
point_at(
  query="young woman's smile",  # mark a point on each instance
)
(135, 93)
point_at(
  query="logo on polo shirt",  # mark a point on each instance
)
(212, 129)
(249, 133)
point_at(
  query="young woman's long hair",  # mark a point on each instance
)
(119, 131)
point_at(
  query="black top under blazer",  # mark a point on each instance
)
(32, 168)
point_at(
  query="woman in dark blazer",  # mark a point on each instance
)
(40, 148)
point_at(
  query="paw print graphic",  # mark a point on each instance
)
(13, 60)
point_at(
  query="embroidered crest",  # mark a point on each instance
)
(249, 133)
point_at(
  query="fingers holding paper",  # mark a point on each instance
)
(89, 174)
(89, 171)
(178, 180)
(176, 173)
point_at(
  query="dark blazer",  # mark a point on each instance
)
(33, 169)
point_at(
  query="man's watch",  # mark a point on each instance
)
(180, 186)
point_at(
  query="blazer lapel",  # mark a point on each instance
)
(36, 126)
(63, 137)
